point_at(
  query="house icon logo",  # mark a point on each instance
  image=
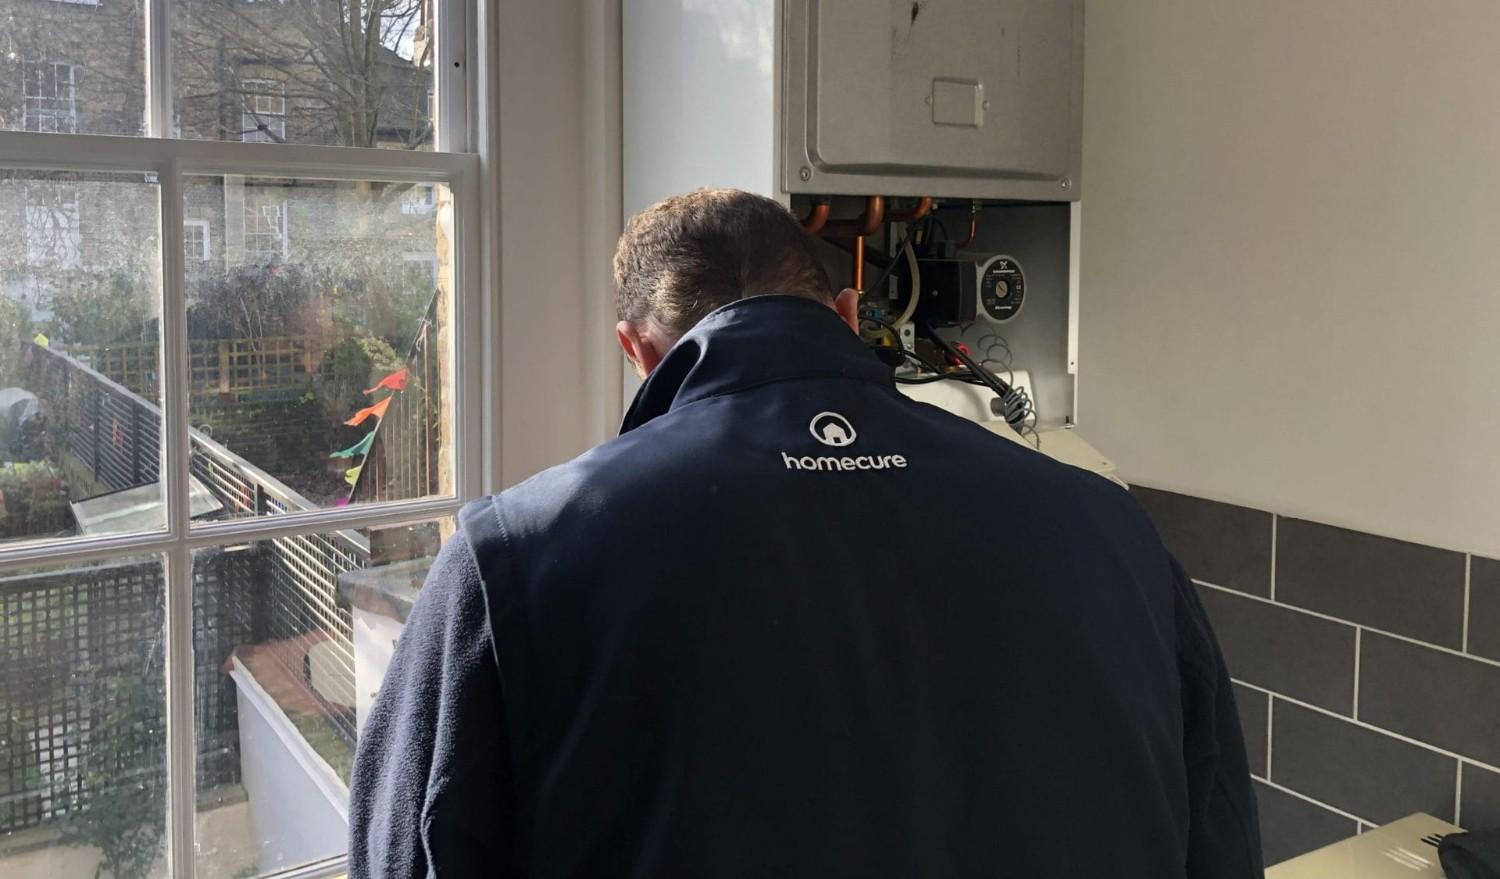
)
(832, 429)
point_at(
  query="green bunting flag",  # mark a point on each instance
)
(360, 448)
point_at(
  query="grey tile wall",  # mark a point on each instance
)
(1217, 543)
(1376, 662)
(1290, 825)
(1480, 803)
(1388, 584)
(1443, 698)
(1361, 771)
(1255, 712)
(1279, 649)
(1484, 608)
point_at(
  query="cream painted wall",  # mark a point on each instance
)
(1291, 257)
(555, 95)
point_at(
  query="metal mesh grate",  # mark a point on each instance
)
(77, 647)
(63, 632)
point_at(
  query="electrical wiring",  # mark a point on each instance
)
(891, 266)
(1015, 403)
(934, 220)
(938, 373)
(916, 282)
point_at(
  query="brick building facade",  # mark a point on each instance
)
(244, 70)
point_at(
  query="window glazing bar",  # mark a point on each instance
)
(181, 782)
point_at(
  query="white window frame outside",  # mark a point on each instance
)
(42, 112)
(418, 200)
(53, 206)
(205, 250)
(255, 214)
(472, 319)
(264, 116)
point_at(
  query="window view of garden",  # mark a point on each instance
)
(318, 376)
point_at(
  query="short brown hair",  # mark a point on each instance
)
(683, 257)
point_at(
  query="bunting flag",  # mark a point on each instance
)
(396, 381)
(360, 448)
(351, 475)
(376, 411)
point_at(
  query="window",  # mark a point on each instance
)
(417, 200)
(265, 228)
(49, 102)
(51, 228)
(195, 240)
(264, 119)
(361, 80)
(239, 395)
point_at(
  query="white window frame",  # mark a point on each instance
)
(38, 109)
(205, 249)
(57, 206)
(420, 199)
(473, 361)
(255, 213)
(263, 108)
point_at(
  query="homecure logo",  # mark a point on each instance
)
(833, 429)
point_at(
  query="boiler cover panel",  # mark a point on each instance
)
(977, 98)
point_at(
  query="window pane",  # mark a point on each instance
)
(308, 71)
(318, 341)
(292, 637)
(73, 66)
(80, 430)
(82, 720)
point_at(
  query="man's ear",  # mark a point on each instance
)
(641, 347)
(847, 305)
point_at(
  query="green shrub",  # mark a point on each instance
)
(33, 499)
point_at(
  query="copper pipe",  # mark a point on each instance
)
(865, 224)
(973, 226)
(924, 205)
(815, 218)
(872, 257)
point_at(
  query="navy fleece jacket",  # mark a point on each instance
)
(791, 623)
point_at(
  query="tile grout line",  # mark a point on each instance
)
(1468, 578)
(1358, 636)
(1458, 793)
(1304, 797)
(1270, 710)
(1369, 726)
(1274, 519)
(1333, 619)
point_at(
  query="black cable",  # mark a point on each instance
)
(938, 373)
(1015, 404)
(934, 219)
(891, 266)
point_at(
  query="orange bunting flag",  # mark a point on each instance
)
(396, 381)
(376, 411)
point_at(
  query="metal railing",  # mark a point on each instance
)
(109, 619)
